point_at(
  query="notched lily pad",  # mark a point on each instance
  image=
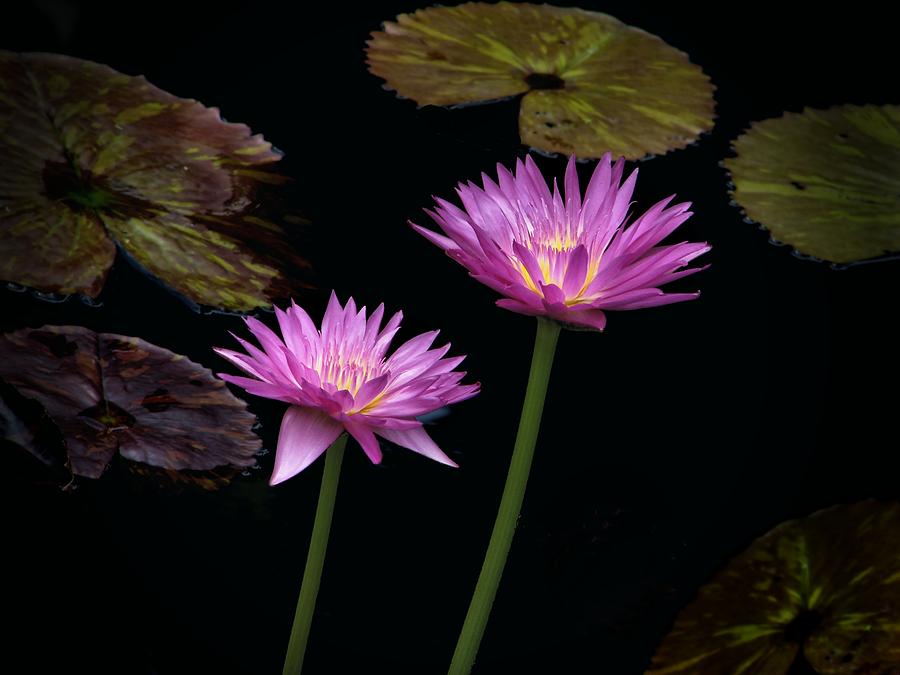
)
(817, 595)
(827, 182)
(591, 84)
(94, 159)
(112, 394)
(29, 440)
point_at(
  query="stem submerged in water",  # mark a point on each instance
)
(315, 559)
(511, 502)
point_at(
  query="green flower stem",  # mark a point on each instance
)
(511, 502)
(315, 559)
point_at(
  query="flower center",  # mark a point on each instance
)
(553, 255)
(561, 244)
(348, 373)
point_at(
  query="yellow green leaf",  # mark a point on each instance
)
(94, 158)
(821, 594)
(590, 83)
(827, 182)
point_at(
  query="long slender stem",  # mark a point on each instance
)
(511, 502)
(315, 559)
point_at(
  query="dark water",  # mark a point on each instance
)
(669, 442)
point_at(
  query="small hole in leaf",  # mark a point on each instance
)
(799, 186)
(545, 81)
(550, 124)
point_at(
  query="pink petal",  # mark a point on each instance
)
(373, 324)
(304, 326)
(404, 407)
(289, 333)
(521, 307)
(305, 434)
(623, 200)
(243, 362)
(333, 320)
(576, 272)
(369, 390)
(364, 436)
(417, 440)
(411, 349)
(526, 257)
(589, 318)
(553, 294)
(264, 389)
(656, 301)
(597, 189)
(538, 185)
(461, 393)
(438, 240)
(573, 191)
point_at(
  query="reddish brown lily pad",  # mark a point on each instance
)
(827, 182)
(821, 594)
(29, 440)
(94, 159)
(112, 394)
(591, 84)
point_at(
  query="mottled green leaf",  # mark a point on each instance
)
(827, 182)
(93, 159)
(591, 84)
(821, 594)
(113, 394)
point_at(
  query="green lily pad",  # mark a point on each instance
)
(821, 594)
(94, 160)
(590, 83)
(827, 182)
(111, 394)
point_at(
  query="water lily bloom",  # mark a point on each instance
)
(562, 257)
(340, 379)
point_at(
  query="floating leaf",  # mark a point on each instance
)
(821, 594)
(591, 84)
(113, 394)
(93, 159)
(827, 182)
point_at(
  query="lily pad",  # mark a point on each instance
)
(591, 84)
(821, 594)
(112, 394)
(30, 440)
(827, 182)
(94, 160)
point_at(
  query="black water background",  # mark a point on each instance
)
(669, 442)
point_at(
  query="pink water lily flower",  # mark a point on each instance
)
(561, 257)
(340, 379)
